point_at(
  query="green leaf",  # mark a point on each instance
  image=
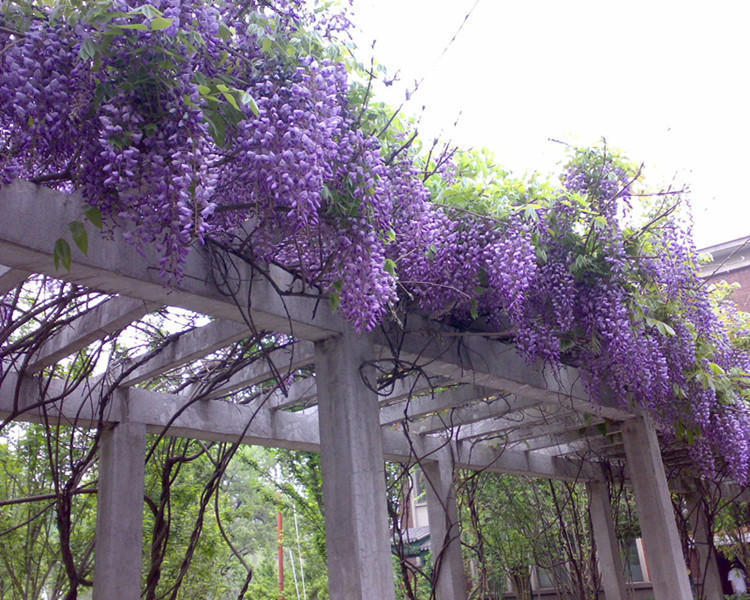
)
(224, 32)
(335, 301)
(61, 254)
(147, 10)
(94, 215)
(248, 100)
(160, 23)
(231, 99)
(390, 266)
(717, 369)
(88, 49)
(80, 237)
(135, 26)
(204, 90)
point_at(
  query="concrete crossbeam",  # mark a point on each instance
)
(482, 361)
(299, 393)
(573, 441)
(307, 393)
(106, 318)
(189, 346)
(222, 421)
(11, 278)
(34, 215)
(522, 428)
(430, 402)
(277, 361)
(477, 412)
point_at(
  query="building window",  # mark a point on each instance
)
(632, 561)
(551, 578)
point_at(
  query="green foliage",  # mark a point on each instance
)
(479, 185)
(30, 559)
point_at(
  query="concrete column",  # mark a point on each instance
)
(353, 467)
(607, 548)
(119, 518)
(710, 579)
(666, 564)
(445, 539)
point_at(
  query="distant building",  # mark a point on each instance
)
(730, 261)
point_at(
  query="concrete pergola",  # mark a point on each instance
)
(495, 412)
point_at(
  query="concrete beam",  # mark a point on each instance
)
(10, 278)
(277, 361)
(352, 461)
(298, 393)
(474, 413)
(420, 405)
(191, 345)
(219, 420)
(580, 438)
(104, 319)
(514, 430)
(119, 518)
(33, 216)
(307, 394)
(486, 362)
(659, 529)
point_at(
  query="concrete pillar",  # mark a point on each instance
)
(667, 566)
(445, 539)
(709, 579)
(353, 468)
(119, 518)
(607, 548)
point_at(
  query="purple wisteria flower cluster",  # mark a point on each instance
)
(184, 120)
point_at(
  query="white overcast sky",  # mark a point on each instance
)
(667, 82)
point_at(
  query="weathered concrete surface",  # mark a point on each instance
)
(663, 549)
(482, 361)
(257, 423)
(119, 520)
(11, 278)
(104, 319)
(445, 534)
(34, 216)
(357, 538)
(607, 548)
(190, 346)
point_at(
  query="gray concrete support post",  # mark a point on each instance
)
(667, 566)
(607, 549)
(119, 519)
(445, 538)
(709, 579)
(353, 468)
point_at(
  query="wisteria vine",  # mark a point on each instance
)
(182, 120)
